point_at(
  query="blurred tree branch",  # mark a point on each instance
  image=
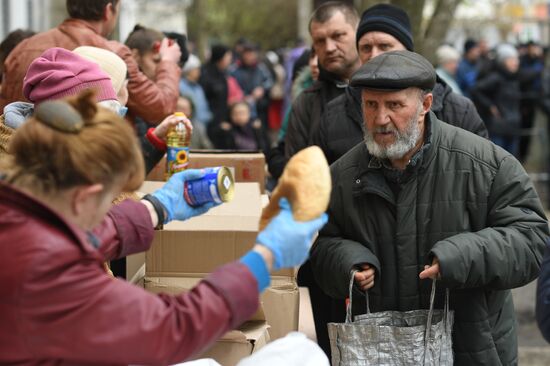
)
(437, 26)
(274, 23)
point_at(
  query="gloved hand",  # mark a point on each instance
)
(171, 197)
(289, 240)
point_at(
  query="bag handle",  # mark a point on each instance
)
(430, 316)
(350, 297)
(349, 313)
(430, 313)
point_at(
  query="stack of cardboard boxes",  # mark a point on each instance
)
(184, 252)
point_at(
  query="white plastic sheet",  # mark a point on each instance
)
(293, 350)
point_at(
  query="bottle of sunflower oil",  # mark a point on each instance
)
(177, 147)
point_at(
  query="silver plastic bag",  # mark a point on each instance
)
(411, 338)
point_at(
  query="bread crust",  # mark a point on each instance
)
(305, 183)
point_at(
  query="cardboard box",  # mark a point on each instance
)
(249, 167)
(135, 264)
(281, 306)
(201, 244)
(232, 346)
(238, 344)
(280, 302)
(178, 285)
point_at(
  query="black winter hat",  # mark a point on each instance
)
(217, 52)
(469, 44)
(181, 40)
(389, 19)
(395, 70)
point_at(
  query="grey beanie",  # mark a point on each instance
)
(506, 51)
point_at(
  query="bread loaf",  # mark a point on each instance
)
(305, 183)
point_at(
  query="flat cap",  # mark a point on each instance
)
(395, 70)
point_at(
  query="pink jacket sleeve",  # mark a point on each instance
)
(127, 229)
(85, 316)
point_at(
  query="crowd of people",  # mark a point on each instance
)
(504, 82)
(426, 174)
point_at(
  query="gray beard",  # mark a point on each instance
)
(405, 141)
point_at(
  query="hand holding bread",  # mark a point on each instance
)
(305, 183)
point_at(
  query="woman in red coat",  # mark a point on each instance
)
(57, 227)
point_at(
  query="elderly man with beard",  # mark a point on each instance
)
(422, 199)
(383, 28)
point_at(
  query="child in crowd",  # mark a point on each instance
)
(241, 132)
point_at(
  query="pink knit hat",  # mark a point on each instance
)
(58, 73)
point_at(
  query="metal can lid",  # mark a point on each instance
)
(226, 184)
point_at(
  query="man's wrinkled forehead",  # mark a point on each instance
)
(322, 16)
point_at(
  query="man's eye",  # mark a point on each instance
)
(366, 48)
(393, 105)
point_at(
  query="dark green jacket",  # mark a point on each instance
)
(466, 201)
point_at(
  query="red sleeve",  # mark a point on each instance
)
(127, 229)
(150, 100)
(85, 316)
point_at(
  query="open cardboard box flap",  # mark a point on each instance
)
(251, 331)
(236, 345)
(279, 303)
(177, 285)
(233, 345)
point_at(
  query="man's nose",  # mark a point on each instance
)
(330, 45)
(381, 117)
(375, 52)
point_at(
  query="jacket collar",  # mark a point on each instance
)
(353, 105)
(439, 92)
(30, 206)
(78, 23)
(332, 78)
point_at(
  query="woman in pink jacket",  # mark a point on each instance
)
(57, 227)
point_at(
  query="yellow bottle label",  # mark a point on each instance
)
(177, 152)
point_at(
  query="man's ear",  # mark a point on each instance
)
(83, 195)
(427, 104)
(108, 11)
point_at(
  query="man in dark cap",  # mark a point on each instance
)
(467, 72)
(421, 199)
(384, 28)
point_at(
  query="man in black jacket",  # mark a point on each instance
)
(332, 28)
(386, 28)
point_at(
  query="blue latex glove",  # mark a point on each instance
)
(289, 240)
(171, 197)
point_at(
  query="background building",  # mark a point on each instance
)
(40, 15)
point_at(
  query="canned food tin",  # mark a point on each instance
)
(217, 185)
